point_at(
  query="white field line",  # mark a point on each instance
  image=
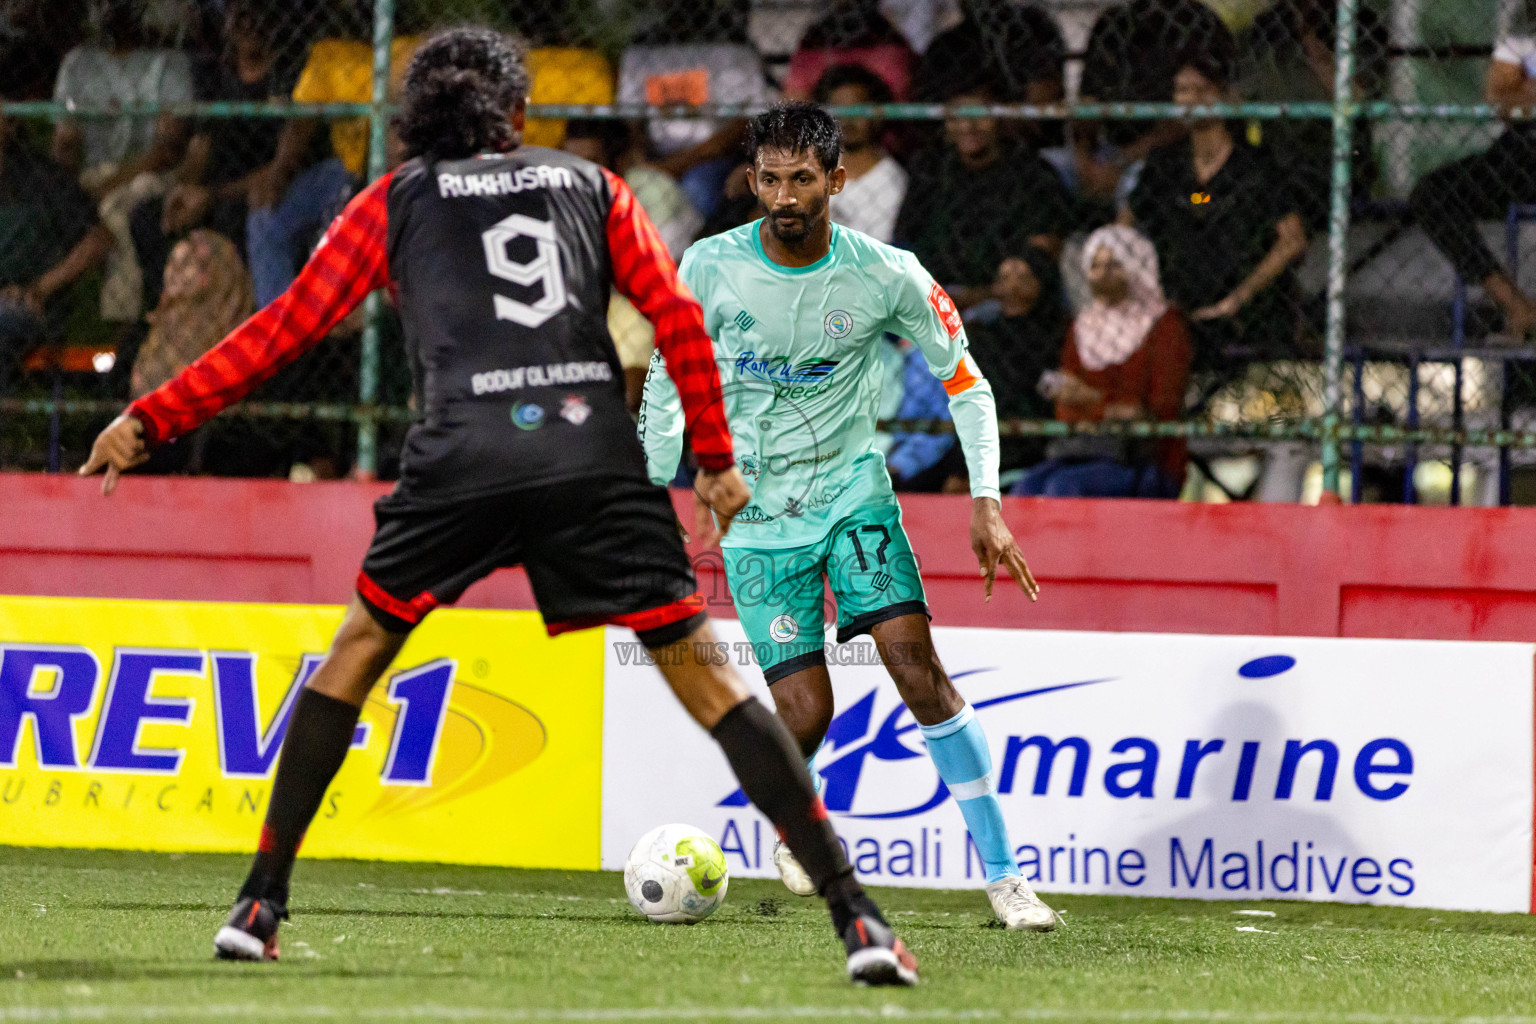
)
(703, 1013)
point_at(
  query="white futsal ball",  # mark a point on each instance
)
(676, 875)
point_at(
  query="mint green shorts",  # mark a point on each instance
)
(867, 560)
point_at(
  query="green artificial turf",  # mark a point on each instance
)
(102, 936)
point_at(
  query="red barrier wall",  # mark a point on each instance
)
(1385, 571)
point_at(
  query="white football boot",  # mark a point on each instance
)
(794, 876)
(1017, 906)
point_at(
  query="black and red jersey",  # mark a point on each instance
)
(500, 266)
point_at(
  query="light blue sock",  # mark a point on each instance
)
(958, 748)
(810, 766)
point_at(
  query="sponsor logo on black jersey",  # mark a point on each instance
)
(527, 416)
(550, 375)
(575, 410)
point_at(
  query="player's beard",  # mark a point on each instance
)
(805, 220)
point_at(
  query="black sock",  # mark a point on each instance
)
(772, 773)
(319, 736)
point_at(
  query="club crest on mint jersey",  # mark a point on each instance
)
(802, 388)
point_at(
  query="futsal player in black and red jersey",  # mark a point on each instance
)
(499, 258)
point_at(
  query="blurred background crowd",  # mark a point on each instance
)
(1135, 269)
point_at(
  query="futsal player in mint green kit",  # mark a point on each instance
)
(798, 308)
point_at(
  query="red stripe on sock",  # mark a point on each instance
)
(268, 841)
(818, 810)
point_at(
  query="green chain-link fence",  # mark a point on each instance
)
(1333, 198)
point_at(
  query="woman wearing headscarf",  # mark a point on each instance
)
(1126, 357)
(207, 294)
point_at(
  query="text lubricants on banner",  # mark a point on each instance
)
(156, 725)
(1382, 771)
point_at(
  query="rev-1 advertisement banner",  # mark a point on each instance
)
(1369, 771)
(156, 725)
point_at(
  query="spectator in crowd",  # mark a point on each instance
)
(1018, 339)
(1131, 59)
(853, 32)
(226, 156)
(1018, 45)
(876, 183)
(1226, 228)
(620, 147)
(1450, 200)
(291, 198)
(49, 237)
(710, 68)
(206, 293)
(1288, 58)
(121, 161)
(1127, 357)
(978, 199)
(34, 37)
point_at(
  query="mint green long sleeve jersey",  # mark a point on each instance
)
(798, 350)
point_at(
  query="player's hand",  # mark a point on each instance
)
(118, 448)
(717, 497)
(993, 543)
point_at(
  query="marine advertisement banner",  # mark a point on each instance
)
(156, 725)
(1379, 771)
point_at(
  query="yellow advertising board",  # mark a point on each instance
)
(155, 725)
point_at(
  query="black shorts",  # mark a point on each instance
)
(597, 550)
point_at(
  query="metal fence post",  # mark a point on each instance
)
(368, 368)
(1344, 113)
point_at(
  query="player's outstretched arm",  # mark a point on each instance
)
(927, 315)
(348, 264)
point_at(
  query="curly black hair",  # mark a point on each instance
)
(793, 128)
(459, 87)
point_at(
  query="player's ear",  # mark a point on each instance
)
(752, 178)
(518, 115)
(837, 179)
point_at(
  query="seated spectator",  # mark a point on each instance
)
(226, 156)
(1131, 58)
(1015, 340)
(977, 200)
(563, 74)
(853, 32)
(876, 183)
(121, 161)
(1450, 200)
(1018, 45)
(206, 293)
(1288, 55)
(291, 199)
(621, 149)
(1227, 232)
(698, 153)
(49, 238)
(1126, 358)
